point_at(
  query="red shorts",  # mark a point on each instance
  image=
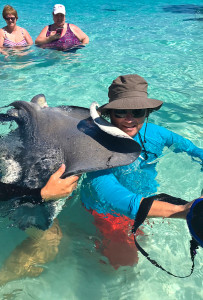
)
(117, 242)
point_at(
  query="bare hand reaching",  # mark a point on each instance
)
(58, 188)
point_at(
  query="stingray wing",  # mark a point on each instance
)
(66, 134)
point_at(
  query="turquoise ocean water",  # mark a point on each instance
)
(161, 41)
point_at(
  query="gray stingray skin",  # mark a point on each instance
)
(46, 137)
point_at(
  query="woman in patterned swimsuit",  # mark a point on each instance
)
(61, 35)
(12, 36)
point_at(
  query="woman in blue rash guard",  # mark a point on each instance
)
(120, 190)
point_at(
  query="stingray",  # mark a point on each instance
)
(46, 137)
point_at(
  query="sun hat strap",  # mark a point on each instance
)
(141, 216)
(141, 141)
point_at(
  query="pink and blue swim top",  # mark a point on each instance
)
(69, 40)
(10, 44)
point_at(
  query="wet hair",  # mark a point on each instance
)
(8, 9)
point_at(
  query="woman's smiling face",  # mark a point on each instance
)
(10, 20)
(129, 124)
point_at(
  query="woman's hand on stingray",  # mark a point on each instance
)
(59, 188)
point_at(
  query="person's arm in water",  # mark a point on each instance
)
(110, 194)
(179, 143)
(80, 34)
(27, 37)
(54, 189)
(2, 36)
(169, 210)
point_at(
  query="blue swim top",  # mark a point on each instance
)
(195, 221)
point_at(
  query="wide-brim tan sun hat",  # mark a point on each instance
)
(129, 92)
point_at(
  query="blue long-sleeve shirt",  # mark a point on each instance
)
(119, 190)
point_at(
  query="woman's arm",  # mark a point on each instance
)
(27, 37)
(1, 47)
(43, 39)
(80, 34)
(2, 35)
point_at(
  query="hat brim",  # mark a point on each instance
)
(132, 103)
(59, 12)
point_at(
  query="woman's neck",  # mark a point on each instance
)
(11, 29)
(55, 26)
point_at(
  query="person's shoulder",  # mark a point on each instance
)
(155, 127)
(2, 33)
(49, 26)
(19, 29)
(161, 130)
(74, 27)
(46, 27)
(155, 132)
(22, 29)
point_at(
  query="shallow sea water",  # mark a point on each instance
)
(161, 41)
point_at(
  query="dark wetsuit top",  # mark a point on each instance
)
(25, 208)
(9, 191)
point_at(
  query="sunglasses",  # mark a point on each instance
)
(10, 18)
(122, 113)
